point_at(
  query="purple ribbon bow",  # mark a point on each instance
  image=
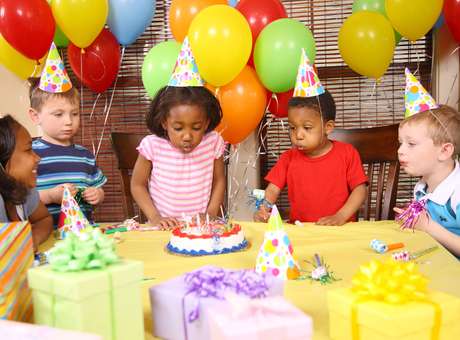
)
(216, 282)
(410, 215)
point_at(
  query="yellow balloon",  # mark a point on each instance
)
(80, 20)
(366, 43)
(221, 43)
(413, 18)
(18, 64)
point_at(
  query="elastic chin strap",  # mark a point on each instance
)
(443, 126)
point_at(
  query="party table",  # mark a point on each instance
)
(343, 248)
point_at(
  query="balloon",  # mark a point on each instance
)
(278, 103)
(232, 3)
(438, 24)
(14, 61)
(80, 20)
(366, 43)
(182, 12)
(221, 42)
(60, 39)
(451, 16)
(28, 26)
(243, 104)
(128, 19)
(159, 65)
(413, 18)
(259, 13)
(277, 53)
(101, 62)
(373, 6)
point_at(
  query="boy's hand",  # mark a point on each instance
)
(166, 223)
(422, 222)
(337, 219)
(93, 195)
(262, 215)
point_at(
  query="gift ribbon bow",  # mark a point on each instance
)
(391, 282)
(217, 283)
(88, 250)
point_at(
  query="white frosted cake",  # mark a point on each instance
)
(209, 239)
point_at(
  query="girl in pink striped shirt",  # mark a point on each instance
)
(180, 167)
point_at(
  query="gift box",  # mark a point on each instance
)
(180, 305)
(16, 257)
(103, 301)
(12, 330)
(395, 306)
(271, 318)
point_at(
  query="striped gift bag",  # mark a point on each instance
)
(16, 257)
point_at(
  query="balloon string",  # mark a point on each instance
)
(107, 110)
(91, 116)
(81, 95)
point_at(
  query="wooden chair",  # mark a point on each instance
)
(125, 144)
(378, 148)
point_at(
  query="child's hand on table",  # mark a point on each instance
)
(337, 219)
(165, 223)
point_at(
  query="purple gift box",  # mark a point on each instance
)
(180, 306)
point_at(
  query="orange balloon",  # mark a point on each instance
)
(182, 12)
(243, 102)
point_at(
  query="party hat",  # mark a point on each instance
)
(276, 253)
(417, 99)
(71, 218)
(186, 71)
(54, 77)
(307, 83)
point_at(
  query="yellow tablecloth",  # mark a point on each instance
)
(344, 249)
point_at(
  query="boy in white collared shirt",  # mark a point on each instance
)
(429, 148)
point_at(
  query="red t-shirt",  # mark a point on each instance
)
(318, 187)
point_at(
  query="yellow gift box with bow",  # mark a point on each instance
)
(390, 300)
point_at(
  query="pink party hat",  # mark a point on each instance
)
(417, 99)
(54, 77)
(186, 71)
(307, 82)
(276, 255)
(71, 218)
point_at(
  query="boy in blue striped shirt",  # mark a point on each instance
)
(62, 161)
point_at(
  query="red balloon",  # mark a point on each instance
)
(278, 103)
(101, 61)
(259, 13)
(452, 15)
(28, 26)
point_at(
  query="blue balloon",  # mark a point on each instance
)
(128, 19)
(233, 3)
(439, 22)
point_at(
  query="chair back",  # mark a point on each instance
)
(378, 148)
(124, 144)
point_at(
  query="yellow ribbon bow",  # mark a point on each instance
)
(391, 282)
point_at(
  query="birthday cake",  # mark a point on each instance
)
(210, 238)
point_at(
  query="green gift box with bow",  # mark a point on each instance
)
(87, 288)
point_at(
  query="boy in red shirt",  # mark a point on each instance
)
(325, 178)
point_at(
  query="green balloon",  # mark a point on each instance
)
(374, 6)
(59, 38)
(159, 65)
(277, 53)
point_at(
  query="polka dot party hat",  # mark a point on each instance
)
(186, 71)
(71, 218)
(276, 253)
(417, 99)
(307, 82)
(54, 78)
